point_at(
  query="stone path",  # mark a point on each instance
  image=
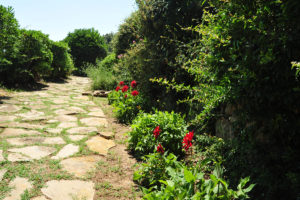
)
(54, 127)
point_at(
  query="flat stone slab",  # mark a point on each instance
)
(77, 137)
(7, 118)
(1, 156)
(69, 111)
(69, 190)
(22, 125)
(60, 101)
(39, 198)
(67, 125)
(34, 152)
(79, 166)
(107, 135)
(54, 130)
(34, 140)
(66, 118)
(2, 172)
(9, 108)
(100, 145)
(66, 151)
(17, 157)
(82, 130)
(52, 121)
(17, 132)
(20, 185)
(32, 116)
(93, 121)
(98, 113)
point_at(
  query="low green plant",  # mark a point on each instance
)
(172, 130)
(187, 183)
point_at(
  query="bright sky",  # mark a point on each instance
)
(59, 17)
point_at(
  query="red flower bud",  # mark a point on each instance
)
(134, 93)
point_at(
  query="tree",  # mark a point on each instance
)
(86, 46)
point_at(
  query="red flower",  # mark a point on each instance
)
(187, 140)
(121, 83)
(117, 88)
(125, 88)
(133, 84)
(125, 96)
(134, 93)
(156, 132)
(160, 149)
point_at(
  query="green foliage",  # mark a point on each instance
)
(101, 74)
(173, 128)
(9, 34)
(153, 169)
(86, 45)
(127, 34)
(62, 61)
(108, 40)
(109, 61)
(190, 183)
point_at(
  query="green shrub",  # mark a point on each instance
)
(101, 76)
(86, 45)
(109, 61)
(62, 61)
(173, 128)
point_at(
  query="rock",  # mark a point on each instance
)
(77, 137)
(34, 152)
(2, 172)
(66, 151)
(17, 132)
(52, 121)
(33, 115)
(69, 190)
(79, 166)
(1, 156)
(22, 125)
(19, 186)
(107, 135)
(100, 145)
(100, 93)
(54, 130)
(60, 101)
(7, 118)
(67, 125)
(82, 130)
(39, 198)
(86, 93)
(33, 140)
(9, 108)
(92, 121)
(17, 157)
(97, 114)
(66, 118)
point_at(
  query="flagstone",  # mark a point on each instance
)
(5, 118)
(67, 125)
(93, 121)
(1, 156)
(77, 137)
(79, 166)
(69, 190)
(60, 101)
(100, 145)
(17, 132)
(54, 130)
(39, 198)
(66, 118)
(66, 151)
(2, 172)
(82, 130)
(107, 135)
(22, 125)
(34, 152)
(17, 157)
(52, 121)
(34, 140)
(96, 114)
(19, 186)
(9, 108)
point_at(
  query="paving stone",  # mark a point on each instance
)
(2, 172)
(100, 145)
(54, 130)
(107, 135)
(1, 156)
(70, 111)
(33, 140)
(22, 125)
(79, 166)
(20, 185)
(32, 115)
(7, 118)
(34, 152)
(66, 151)
(17, 132)
(77, 137)
(69, 190)
(82, 130)
(52, 121)
(17, 157)
(41, 106)
(67, 125)
(60, 101)
(66, 118)
(96, 114)
(39, 198)
(93, 121)
(9, 108)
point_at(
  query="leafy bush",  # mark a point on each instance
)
(109, 61)
(190, 183)
(62, 61)
(86, 45)
(173, 128)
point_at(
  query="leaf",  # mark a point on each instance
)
(188, 176)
